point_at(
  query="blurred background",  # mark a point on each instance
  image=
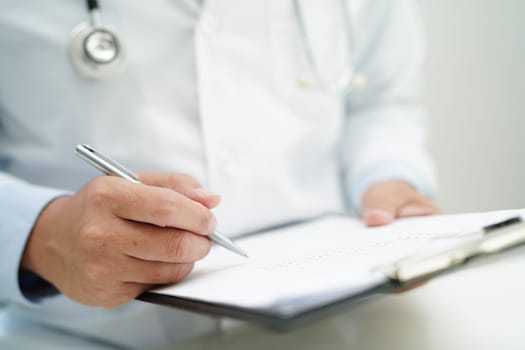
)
(474, 77)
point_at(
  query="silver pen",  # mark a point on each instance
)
(110, 167)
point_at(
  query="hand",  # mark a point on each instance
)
(114, 239)
(387, 200)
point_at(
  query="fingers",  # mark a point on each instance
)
(153, 205)
(381, 202)
(154, 272)
(378, 217)
(122, 293)
(183, 184)
(113, 239)
(175, 181)
(417, 209)
(208, 199)
(387, 200)
(152, 243)
(138, 277)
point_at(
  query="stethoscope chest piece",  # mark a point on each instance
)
(96, 52)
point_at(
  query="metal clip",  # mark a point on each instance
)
(498, 237)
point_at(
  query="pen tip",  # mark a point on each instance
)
(234, 247)
(227, 243)
(240, 252)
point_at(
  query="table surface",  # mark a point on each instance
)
(481, 308)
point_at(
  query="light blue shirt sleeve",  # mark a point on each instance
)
(385, 132)
(20, 205)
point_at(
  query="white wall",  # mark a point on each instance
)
(475, 77)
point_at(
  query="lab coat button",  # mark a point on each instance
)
(225, 169)
(227, 165)
(304, 82)
(223, 163)
(359, 81)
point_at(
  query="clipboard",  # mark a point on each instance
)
(502, 239)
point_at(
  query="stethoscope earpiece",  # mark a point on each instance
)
(95, 51)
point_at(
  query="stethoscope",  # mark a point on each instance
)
(97, 53)
(348, 79)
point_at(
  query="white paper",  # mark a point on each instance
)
(316, 261)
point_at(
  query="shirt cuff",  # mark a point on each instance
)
(389, 171)
(20, 206)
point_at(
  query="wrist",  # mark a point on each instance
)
(36, 254)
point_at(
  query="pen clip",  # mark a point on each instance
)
(105, 164)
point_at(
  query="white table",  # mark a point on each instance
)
(481, 308)
(477, 309)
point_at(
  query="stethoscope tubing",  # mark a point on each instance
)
(92, 5)
(343, 83)
(87, 64)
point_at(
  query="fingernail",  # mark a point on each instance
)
(377, 217)
(213, 224)
(202, 192)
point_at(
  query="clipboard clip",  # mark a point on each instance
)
(496, 238)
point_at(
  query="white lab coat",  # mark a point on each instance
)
(211, 92)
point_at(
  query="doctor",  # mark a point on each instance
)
(287, 109)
